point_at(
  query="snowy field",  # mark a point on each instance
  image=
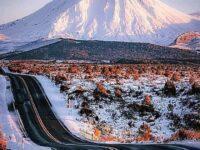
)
(69, 116)
(133, 103)
(9, 121)
(116, 120)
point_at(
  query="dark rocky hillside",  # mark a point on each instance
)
(122, 52)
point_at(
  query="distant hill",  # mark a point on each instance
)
(101, 50)
(189, 41)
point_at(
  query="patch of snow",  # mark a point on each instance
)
(9, 121)
(69, 116)
(196, 14)
(5, 69)
(161, 127)
(9, 46)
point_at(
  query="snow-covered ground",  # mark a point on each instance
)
(67, 114)
(109, 103)
(111, 114)
(9, 121)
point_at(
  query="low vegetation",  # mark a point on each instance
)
(128, 102)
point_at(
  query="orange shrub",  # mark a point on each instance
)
(3, 142)
(183, 134)
(170, 88)
(147, 100)
(168, 73)
(73, 69)
(102, 89)
(136, 74)
(176, 77)
(144, 133)
(105, 71)
(88, 69)
(192, 80)
(118, 92)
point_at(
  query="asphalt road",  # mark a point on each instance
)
(44, 128)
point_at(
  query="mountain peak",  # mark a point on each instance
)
(114, 20)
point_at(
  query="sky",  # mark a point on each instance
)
(11, 10)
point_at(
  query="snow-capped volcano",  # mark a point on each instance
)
(114, 20)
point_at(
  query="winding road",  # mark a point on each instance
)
(43, 126)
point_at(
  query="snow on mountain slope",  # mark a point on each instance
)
(10, 46)
(2, 37)
(197, 15)
(114, 20)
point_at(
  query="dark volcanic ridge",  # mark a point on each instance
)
(121, 52)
